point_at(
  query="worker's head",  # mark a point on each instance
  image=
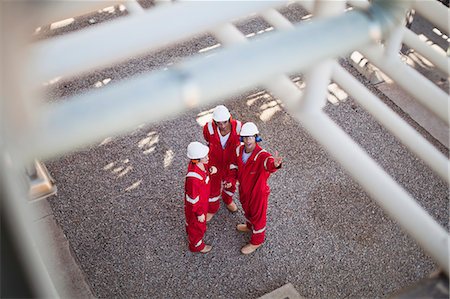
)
(249, 136)
(221, 117)
(197, 152)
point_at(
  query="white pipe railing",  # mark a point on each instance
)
(441, 61)
(216, 77)
(392, 122)
(103, 44)
(393, 44)
(134, 7)
(428, 94)
(435, 12)
(318, 78)
(329, 135)
(432, 10)
(67, 125)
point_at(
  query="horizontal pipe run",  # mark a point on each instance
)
(435, 12)
(103, 44)
(392, 122)
(441, 61)
(280, 86)
(152, 97)
(380, 186)
(420, 88)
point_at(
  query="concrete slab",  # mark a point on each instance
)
(285, 292)
(426, 119)
(69, 281)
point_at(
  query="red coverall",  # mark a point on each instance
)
(220, 158)
(195, 204)
(253, 189)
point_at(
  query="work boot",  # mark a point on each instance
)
(232, 207)
(249, 248)
(209, 216)
(206, 249)
(242, 228)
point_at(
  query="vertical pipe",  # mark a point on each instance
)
(317, 79)
(280, 85)
(134, 7)
(394, 43)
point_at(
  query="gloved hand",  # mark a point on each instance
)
(226, 184)
(201, 218)
(213, 170)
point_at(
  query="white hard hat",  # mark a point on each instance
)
(221, 113)
(249, 129)
(196, 150)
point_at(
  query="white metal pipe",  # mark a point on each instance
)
(68, 124)
(392, 122)
(102, 45)
(318, 78)
(380, 186)
(228, 34)
(360, 4)
(393, 44)
(411, 81)
(134, 7)
(435, 12)
(428, 8)
(315, 92)
(442, 62)
(326, 8)
(276, 19)
(307, 4)
(279, 86)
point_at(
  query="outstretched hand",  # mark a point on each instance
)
(277, 159)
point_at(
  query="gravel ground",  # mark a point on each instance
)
(120, 203)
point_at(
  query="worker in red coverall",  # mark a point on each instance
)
(252, 166)
(196, 196)
(222, 136)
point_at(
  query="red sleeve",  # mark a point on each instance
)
(192, 191)
(269, 163)
(206, 133)
(232, 171)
